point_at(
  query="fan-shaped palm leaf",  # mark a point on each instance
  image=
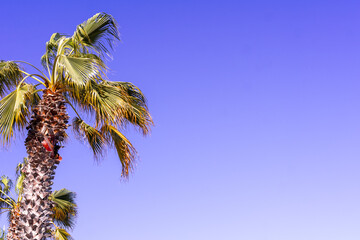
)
(92, 135)
(10, 76)
(6, 184)
(65, 209)
(117, 103)
(14, 109)
(77, 71)
(95, 33)
(98, 99)
(123, 146)
(51, 50)
(134, 108)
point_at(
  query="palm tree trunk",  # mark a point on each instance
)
(13, 223)
(45, 132)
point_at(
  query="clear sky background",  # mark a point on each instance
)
(257, 113)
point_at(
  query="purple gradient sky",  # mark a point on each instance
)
(257, 112)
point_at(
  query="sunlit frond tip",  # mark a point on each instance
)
(61, 234)
(51, 50)
(132, 105)
(10, 75)
(125, 150)
(91, 134)
(108, 135)
(97, 32)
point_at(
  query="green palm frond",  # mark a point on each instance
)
(6, 202)
(5, 184)
(65, 209)
(135, 109)
(95, 57)
(129, 88)
(19, 184)
(60, 234)
(125, 150)
(114, 104)
(20, 166)
(92, 135)
(106, 102)
(51, 50)
(96, 33)
(78, 70)
(117, 103)
(5, 187)
(14, 109)
(97, 99)
(10, 76)
(20, 177)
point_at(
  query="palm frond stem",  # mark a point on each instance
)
(32, 76)
(8, 202)
(54, 70)
(32, 66)
(6, 195)
(68, 102)
(47, 65)
(54, 224)
(5, 200)
(5, 211)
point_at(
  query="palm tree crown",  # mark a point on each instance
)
(76, 77)
(75, 68)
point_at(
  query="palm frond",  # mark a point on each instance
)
(117, 103)
(5, 184)
(129, 88)
(96, 33)
(135, 109)
(20, 166)
(20, 177)
(78, 70)
(51, 50)
(65, 209)
(5, 187)
(125, 150)
(14, 109)
(19, 184)
(61, 234)
(6, 202)
(10, 76)
(92, 135)
(94, 98)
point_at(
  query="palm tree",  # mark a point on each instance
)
(64, 210)
(76, 77)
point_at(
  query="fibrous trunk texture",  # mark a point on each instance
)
(45, 133)
(13, 223)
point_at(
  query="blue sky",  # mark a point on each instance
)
(256, 109)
